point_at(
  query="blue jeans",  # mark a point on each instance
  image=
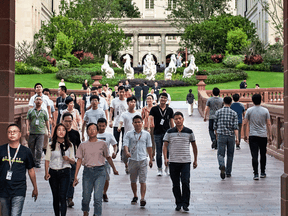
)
(12, 206)
(158, 138)
(59, 183)
(138, 103)
(223, 142)
(70, 191)
(93, 178)
(180, 171)
(211, 130)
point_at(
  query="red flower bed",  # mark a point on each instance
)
(81, 55)
(253, 59)
(217, 58)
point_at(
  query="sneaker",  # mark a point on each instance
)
(238, 147)
(70, 202)
(222, 173)
(178, 208)
(85, 213)
(159, 173)
(142, 202)
(105, 198)
(134, 200)
(167, 170)
(228, 175)
(185, 208)
(126, 170)
(263, 175)
(256, 177)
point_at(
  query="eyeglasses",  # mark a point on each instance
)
(14, 132)
(94, 101)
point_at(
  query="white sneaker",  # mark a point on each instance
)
(167, 170)
(159, 173)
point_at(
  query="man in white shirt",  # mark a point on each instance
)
(127, 119)
(102, 102)
(110, 140)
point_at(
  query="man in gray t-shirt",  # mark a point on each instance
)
(259, 122)
(212, 105)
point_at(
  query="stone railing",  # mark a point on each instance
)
(272, 99)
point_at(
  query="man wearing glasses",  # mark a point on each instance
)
(15, 159)
(92, 115)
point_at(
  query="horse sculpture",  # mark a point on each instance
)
(128, 70)
(171, 68)
(189, 71)
(107, 69)
(149, 67)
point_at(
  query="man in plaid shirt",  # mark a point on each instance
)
(226, 128)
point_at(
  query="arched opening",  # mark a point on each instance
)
(154, 57)
(168, 57)
(124, 60)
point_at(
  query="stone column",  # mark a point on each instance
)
(163, 48)
(135, 49)
(7, 66)
(284, 177)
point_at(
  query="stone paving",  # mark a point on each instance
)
(238, 195)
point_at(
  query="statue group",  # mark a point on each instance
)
(150, 69)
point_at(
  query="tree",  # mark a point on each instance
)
(236, 41)
(211, 35)
(63, 46)
(188, 12)
(275, 10)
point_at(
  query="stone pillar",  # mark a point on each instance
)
(284, 177)
(135, 49)
(7, 65)
(163, 48)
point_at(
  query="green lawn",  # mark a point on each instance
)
(264, 79)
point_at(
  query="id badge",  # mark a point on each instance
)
(162, 121)
(37, 122)
(9, 175)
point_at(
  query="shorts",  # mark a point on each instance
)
(138, 168)
(107, 170)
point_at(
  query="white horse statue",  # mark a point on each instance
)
(128, 70)
(149, 67)
(189, 71)
(105, 68)
(171, 68)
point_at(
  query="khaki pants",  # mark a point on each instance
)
(190, 109)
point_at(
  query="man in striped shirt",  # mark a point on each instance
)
(179, 138)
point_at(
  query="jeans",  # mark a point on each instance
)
(93, 177)
(223, 141)
(70, 191)
(211, 130)
(117, 136)
(138, 102)
(12, 206)
(35, 143)
(59, 183)
(239, 132)
(180, 171)
(255, 144)
(159, 146)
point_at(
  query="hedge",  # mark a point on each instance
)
(22, 68)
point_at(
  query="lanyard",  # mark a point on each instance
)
(135, 146)
(36, 113)
(161, 111)
(11, 162)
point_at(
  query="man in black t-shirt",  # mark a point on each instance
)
(137, 93)
(161, 118)
(74, 137)
(60, 102)
(145, 90)
(15, 159)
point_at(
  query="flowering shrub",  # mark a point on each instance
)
(232, 60)
(51, 60)
(61, 64)
(217, 58)
(81, 55)
(253, 59)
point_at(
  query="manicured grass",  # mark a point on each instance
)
(264, 79)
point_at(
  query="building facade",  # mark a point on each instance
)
(254, 11)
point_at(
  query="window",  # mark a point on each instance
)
(149, 4)
(172, 38)
(171, 4)
(149, 37)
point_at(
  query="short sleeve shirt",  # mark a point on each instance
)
(108, 138)
(45, 103)
(179, 144)
(137, 90)
(158, 115)
(127, 119)
(239, 109)
(257, 116)
(119, 106)
(214, 103)
(92, 116)
(145, 90)
(92, 153)
(61, 105)
(103, 104)
(33, 115)
(23, 161)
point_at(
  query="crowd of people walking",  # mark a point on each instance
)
(151, 132)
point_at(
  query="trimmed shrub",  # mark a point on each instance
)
(236, 40)
(274, 54)
(74, 62)
(22, 68)
(202, 58)
(255, 67)
(49, 69)
(38, 61)
(232, 60)
(62, 64)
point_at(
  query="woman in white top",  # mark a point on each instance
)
(154, 97)
(59, 156)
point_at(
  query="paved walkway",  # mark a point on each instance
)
(239, 195)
